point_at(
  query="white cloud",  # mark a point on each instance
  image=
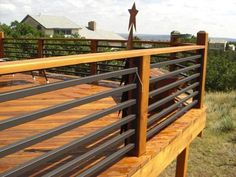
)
(155, 16)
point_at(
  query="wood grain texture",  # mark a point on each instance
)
(144, 73)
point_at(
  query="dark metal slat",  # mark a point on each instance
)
(159, 64)
(107, 161)
(30, 165)
(174, 73)
(157, 116)
(64, 169)
(170, 97)
(171, 119)
(4, 151)
(5, 124)
(60, 85)
(172, 85)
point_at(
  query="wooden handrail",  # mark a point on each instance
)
(51, 62)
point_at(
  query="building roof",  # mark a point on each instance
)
(99, 34)
(221, 41)
(49, 21)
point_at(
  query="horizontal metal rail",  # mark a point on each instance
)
(60, 85)
(32, 164)
(172, 85)
(109, 160)
(119, 66)
(164, 112)
(64, 169)
(171, 119)
(64, 44)
(174, 73)
(20, 43)
(5, 124)
(61, 129)
(180, 60)
(171, 97)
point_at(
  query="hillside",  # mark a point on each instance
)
(214, 154)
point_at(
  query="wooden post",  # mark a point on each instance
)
(40, 55)
(174, 41)
(182, 163)
(1, 45)
(142, 101)
(40, 48)
(202, 39)
(93, 66)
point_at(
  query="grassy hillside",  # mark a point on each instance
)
(214, 155)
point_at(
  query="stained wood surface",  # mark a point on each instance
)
(182, 163)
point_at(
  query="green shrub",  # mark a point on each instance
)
(221, 71)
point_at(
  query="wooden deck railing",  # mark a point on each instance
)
(27, 48)
(154, 101)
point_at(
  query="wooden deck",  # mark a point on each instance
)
(161, 149)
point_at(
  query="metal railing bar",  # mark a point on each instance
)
(174, 73)
(171, 119)
(157, 65)
(179, 65)
(5, 124)
(60, 85)
(110, 159)
(21, 169)
(170, 97)
(64, 169)
(4, 151)
(172, 85)
(157, 116)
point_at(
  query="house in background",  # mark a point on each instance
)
(217, 44)
(231, 47)
(52, 25)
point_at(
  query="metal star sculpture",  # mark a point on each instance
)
(132, 24)
(132, 21)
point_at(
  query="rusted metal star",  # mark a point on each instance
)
(132, 21)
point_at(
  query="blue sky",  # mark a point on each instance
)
(217, 17)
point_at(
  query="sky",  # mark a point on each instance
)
(216, 17)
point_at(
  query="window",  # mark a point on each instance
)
(62, 31)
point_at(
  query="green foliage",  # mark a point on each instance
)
(221, 71)
(16, 29)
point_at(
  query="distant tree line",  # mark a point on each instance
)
(221, 65)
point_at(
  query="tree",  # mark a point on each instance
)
(16, 29)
